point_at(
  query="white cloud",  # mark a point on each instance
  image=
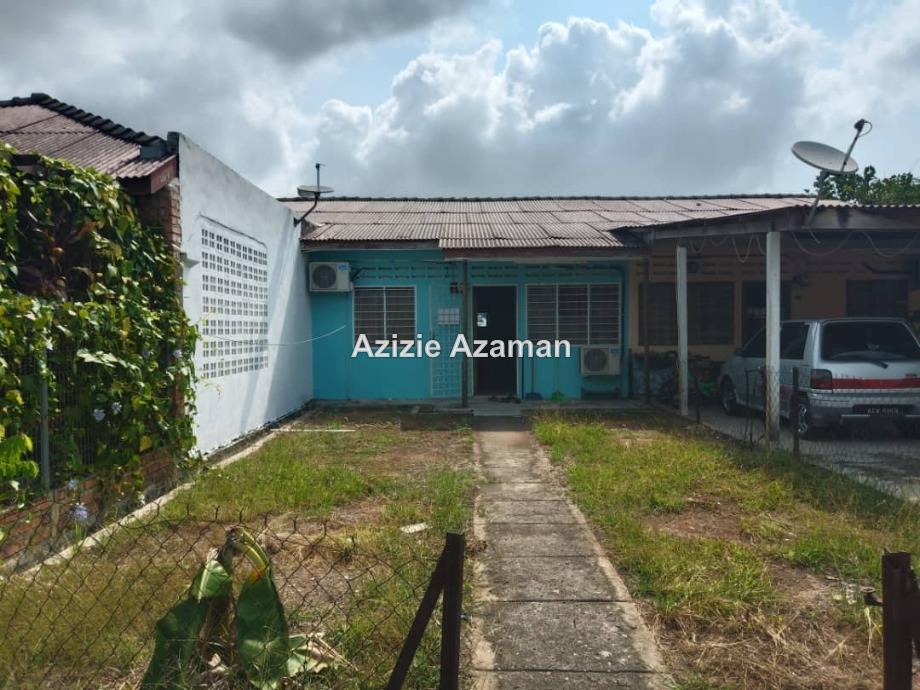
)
(706, 98)
(230, 75)
(589, 108)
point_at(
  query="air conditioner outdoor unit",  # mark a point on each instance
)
(329, 276)
(600, 360)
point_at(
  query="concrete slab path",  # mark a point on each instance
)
(552, 613)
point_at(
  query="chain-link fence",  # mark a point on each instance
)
(61, 426)
(86, 617)
(863, 421)
(655, 379)
(860, 417)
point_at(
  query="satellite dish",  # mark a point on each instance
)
(313, 190)
(825, 158)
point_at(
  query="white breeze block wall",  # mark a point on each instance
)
(245, 290)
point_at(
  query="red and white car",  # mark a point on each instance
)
(850, 369)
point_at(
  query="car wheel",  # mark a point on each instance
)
(909, 429)
(729, 398)
(801, 418)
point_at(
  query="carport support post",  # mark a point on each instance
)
(772, 372)
(682, 341)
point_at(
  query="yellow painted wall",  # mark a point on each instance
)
(822, 294)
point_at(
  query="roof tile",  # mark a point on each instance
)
(41, 124)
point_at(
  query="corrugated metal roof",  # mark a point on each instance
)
(534, 222)
(45, 125)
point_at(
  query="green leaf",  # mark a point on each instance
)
(211, 582)
(172, 666)
(104, 358)
(264, 646)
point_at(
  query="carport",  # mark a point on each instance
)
(848, 261)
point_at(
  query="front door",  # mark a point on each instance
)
(495, 318)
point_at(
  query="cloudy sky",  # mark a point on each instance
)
(489, 97)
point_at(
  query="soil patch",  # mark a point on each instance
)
(703, 517)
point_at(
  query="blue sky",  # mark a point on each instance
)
(490, 97)
(370, 68)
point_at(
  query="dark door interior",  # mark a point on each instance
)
(494, 318)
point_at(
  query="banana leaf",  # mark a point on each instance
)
(264, 646)
(178, 632)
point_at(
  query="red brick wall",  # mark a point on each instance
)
(44, 526)
(162, 209)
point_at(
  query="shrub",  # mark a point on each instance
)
(89, 302)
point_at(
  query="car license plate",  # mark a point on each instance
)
(883, 410)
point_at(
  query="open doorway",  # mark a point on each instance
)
(495, 318)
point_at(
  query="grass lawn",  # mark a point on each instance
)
(326, 506)
(748, 566)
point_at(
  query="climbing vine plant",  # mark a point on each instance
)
(89, 302)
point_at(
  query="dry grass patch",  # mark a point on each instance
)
(749, 565)
(326, 506)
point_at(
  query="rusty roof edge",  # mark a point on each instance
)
(581, 197)
(765, 215)
(735, 217)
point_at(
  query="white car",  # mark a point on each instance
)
(849, 369)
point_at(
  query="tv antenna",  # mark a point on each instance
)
(828, 160)
(308, 190)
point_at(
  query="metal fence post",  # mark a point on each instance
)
(896, 639)
(44, 428)
(794, 412)
(447, 578)
(451, 612)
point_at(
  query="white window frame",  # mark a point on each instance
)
(387, 336)
(589, 286)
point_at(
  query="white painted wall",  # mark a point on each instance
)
(213, 195)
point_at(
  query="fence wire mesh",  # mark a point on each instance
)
(65, 415)
(85, 618)
(864, 424)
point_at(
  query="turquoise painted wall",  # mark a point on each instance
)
(338, 376)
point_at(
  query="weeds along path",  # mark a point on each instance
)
(552, 612)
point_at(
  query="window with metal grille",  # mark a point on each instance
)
(581, 314)
(710, 314)
(884, 297)
(382, 312)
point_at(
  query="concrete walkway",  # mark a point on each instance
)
(551, 611)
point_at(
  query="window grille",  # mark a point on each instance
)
(710, 313)
(877, 298)
(382, 312)
(582, 314)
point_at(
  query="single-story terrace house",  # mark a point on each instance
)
(576, 269)
(281, 302)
